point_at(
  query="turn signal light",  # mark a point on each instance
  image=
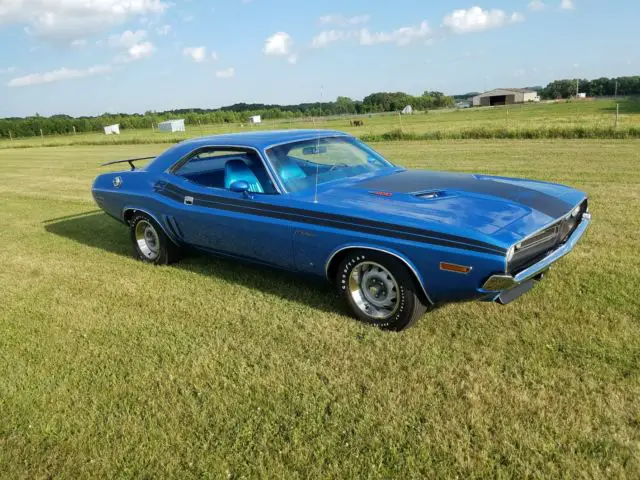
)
(452, 267)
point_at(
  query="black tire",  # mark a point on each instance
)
(164, 251)
(409, 305)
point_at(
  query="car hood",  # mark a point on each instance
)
(506, 209)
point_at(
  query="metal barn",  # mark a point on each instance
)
(505, 96)
(171, 126)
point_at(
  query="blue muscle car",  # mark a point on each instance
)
(396, 242)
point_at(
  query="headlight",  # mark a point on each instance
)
(575, 212)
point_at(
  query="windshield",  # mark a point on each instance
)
(298, 164)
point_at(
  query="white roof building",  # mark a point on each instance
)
(171, 126)
(408, 110)
(255, 119)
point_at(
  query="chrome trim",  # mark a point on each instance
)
(263, 159)
(551, 224)
(500, 282)
(376, 249)
(126, 209)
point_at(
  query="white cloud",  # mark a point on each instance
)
(401, 36)
(341, 20)
(278, 44)
(226, 73)
(141, 50)
(325, 38)
(567, 5)
(127, 39)
(197, 54)
(163, 30)
(536, 5)
(58, 75)
(78, 42)
(8, 70)
(214, 56)
(293, 59)
(476, 19)
(68, 19)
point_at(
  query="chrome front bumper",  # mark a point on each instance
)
(499, 283)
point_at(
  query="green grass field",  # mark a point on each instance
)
(110, 368)
(596, 117)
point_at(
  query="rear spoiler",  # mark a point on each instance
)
(129, 161)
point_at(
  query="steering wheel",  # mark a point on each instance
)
(341, 165)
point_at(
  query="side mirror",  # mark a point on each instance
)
(239, 186)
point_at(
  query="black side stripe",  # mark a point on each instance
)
(328, 220)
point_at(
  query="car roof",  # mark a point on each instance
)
(262, 138)
(259, 140)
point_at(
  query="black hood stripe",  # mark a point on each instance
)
(326, 219)
(411, 181)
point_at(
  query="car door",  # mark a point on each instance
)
(211, 217)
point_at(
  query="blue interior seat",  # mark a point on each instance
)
(236, 170)
(291, 171)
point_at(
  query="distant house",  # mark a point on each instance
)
(255, 119)
(171, 126)
(505, 96)
(408, 110)
(582, 96)
(112, 129)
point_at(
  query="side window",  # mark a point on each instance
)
(219, 168)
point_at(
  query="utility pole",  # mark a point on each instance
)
(616, 94)
(577, 87)
(617, 114)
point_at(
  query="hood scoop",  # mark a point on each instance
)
(433, 194)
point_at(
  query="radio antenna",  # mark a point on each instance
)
(315, 194)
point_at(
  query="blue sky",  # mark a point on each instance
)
(93, 56)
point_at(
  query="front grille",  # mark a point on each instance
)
(535, 248)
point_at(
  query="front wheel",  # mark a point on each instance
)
(380, 290)
(150, 243)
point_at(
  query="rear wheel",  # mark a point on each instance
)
(380, 290)
(150, 243)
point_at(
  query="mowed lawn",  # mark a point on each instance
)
(110, 368)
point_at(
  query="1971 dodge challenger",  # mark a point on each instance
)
(395, 242)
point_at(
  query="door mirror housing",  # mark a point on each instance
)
(239, 186)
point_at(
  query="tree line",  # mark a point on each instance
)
(600, 87)
(237, 113)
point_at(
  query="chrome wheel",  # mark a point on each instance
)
(147, 239)
(374, 290)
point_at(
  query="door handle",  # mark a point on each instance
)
(188, 200)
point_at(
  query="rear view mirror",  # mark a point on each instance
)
(314, 150)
